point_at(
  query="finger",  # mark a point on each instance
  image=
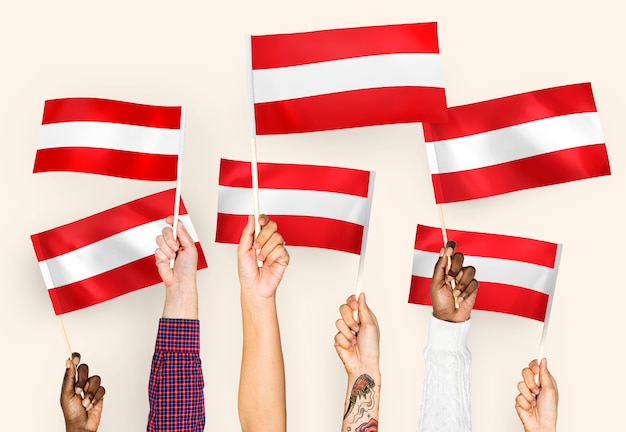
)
(365, 313)
(525, 392)
(267, 231)
(83, 374)
(185, 239)
(545, 378)
(342, 342)
(522, 402)
(347, 315)
(165, 248)
(69, 378)
(529, 379)
(247, 237)
(91, 387)
(168, 235)
(456, 264)
(441, 266)
(346, 331)
(96, 402)
(272, 247)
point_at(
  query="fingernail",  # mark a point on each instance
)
(86, 402)
(78, 390)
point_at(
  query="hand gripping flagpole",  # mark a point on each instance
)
(253, 154)
(179, 173)
(445, 242)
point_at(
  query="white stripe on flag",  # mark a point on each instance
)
(385, 70)
(332, 205)
(497, 270)
(116, 136)
(107, 254)
(515, 142)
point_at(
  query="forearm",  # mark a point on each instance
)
(181, 302)
(446, 394)
(262, 405)
(362, 401)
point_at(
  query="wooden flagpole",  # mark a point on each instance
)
(445, 242)
(67, 342)
(546, 321)
(253, 153)
(366, 224)
(179, 173)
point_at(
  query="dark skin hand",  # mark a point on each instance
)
(81, 397)
(442, 293)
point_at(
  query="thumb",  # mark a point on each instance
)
(544, 375)
(69, 380)
(247, 236)
(366, 317)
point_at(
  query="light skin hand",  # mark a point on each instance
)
(465, 290)
(81, 397)
(537, 405)
(181, 294)
(261, 282)
(357, 343)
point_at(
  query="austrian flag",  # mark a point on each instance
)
(315, 206)
(343, 78)
(108, 137)
(107, 254)
(524, 141)
(517, 275)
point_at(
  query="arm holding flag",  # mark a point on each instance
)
(446, 395)
(262, 403)
(357, 344)
(537, 404)
(176, 367)
(81, 397)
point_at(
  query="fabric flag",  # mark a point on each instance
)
(108, 137)
(343, 78)
(315, 206)
(517, 275)
(107, 254)
(524, 141)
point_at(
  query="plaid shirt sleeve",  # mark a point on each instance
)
(176, 384)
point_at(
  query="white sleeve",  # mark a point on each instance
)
(446, 397)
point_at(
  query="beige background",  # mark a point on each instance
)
(192, 53)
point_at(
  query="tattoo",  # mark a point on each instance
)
(370, 426)
(361, 388)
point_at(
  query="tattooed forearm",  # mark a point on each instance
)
(361, 409)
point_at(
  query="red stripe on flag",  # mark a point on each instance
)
(114, 283)
(282, 50)
(536, 171)
(492, 297)
(508, 111)
(117, 163)
(366, 107)
(75, 235)
(298, 231)
(486, 245)
(111, 111)
(298, 177)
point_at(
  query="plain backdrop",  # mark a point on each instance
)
(192, 53)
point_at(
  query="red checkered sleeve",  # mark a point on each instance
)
(176, 383)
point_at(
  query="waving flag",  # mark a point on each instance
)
(107, 254)
(517, 142)
(517, 275)
(108, 137)
(343, 78)
(316, 206)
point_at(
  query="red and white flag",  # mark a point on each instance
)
(343, 78)
(108, 137)
(315, 206)
(517, 275)
(107, 254)
(524, 141)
